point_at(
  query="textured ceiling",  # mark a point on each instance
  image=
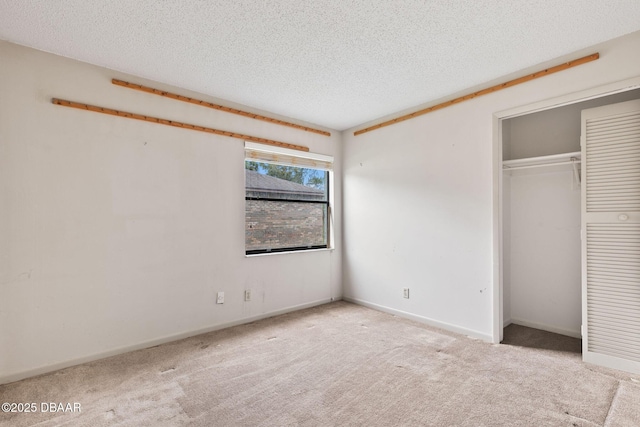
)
(337, 63)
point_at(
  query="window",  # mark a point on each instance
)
(286, 200)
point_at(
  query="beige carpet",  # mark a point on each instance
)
(338, 365)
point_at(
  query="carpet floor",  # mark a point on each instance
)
(337, 365)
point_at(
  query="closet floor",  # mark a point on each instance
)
(522, 336)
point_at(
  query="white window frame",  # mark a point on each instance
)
(288, 157)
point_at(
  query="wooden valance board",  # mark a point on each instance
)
(486, 91)
(195, 101)
(174, 123)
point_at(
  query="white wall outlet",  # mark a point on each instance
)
(405, 293)
(220, 298)
(247, 295)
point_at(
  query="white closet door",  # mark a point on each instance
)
(611, 236)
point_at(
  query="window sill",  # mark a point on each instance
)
(290, 252)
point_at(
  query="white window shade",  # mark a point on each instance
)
(287, 157)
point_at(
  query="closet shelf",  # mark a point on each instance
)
(564, 161)
(543, 161)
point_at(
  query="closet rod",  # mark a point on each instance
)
(542, 165)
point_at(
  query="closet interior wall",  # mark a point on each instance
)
(541, 220)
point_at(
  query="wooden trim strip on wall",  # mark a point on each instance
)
(486, 91)
(173, 123)
(214, 106)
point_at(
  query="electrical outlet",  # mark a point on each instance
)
(247, 295)
(220, 298)
(406, 292)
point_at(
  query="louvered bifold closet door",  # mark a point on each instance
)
(611, 235)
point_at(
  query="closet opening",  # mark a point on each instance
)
(540, 223)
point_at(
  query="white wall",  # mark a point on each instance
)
(419, 205)
(506, 251)
(116, 234)
(544, 278)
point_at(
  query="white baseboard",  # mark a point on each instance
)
(548, 328)
(506, 323)
(431, 322)
(154, 342)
